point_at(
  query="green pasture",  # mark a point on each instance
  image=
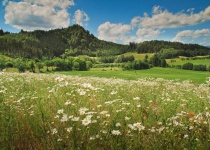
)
(138, 56)
(179, 61)
(166, 73)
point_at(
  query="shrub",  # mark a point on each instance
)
(40, 66)
(2, 63)
(89, 65)
(22, 67)
(187, 66)
(199, 67)
(79, 64)
(9, 64)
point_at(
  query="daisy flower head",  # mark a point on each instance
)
(64, 118)
(136, 98)
(117, 124)
(82, 110)
(60, 111)
(86, 121)
(116, 132)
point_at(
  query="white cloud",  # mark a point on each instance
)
(113, 32)
(52, 3)
(4, 2)
(191, 10)
(192, 34)
(135, 21)
(122, 33)
(164, 19)
(156, 10)
(128, 39)
(80, 17)
(150, 27)
(38, 14)
(147, 33)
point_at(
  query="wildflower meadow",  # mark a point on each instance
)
(59, 112)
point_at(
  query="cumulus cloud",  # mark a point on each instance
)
(164, 19)
(147, 33)
(135, 21)
(80, 17)
(130, 38)
(4, 2)
(52, 3)
(113, 32)
(150, 26)
(122, 32)
(192, 34)
(191, 10)
(38, 14)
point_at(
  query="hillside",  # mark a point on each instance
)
(182, 49)
(75, 40)
(71, 41)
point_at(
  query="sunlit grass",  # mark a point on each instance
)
(157, 72)
(39, 111)
(117, 72)
(138, 56)
(179, 61)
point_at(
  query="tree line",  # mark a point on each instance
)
(191, 66)
(80, 63)
(55, 64)
(146, 63)
(75, 40)
(188, 50)
(84, 63)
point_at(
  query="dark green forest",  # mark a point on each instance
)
(75, 48)
(71, 41)
(75, 40)
(188, 50)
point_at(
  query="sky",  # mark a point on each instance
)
(119, 21)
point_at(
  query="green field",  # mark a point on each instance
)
(166, 73)
(138, 56)
(195, 62)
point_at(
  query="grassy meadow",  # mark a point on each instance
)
(157, 72)
(54, 111)
(179, 61)
(139, 56)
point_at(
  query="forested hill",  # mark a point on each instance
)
(182, 49)
(71, 41)
(75, 40)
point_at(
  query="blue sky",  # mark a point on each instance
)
(120, 21)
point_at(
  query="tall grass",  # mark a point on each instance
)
(39, 111)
